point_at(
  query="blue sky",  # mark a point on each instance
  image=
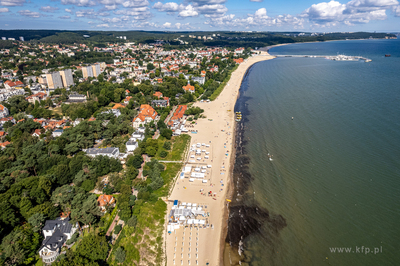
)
(207, 15)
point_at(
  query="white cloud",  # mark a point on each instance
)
(258, 19)
(138, 13)
(28, 13)
(4, 10)
(48, 8)
(110, 7)
(167, 7)
(12, 2)
(189, 11)
(215, 10)
(65, 17)
(207, 2)
(68, 10)
(396, 10)
(105, 25)
(135, 3)
(78, 2)
(85, 13)
(325, 12)
(354, 12)
(262, 12)
(167, 25)
(256, 1)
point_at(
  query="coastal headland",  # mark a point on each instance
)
(199, 246)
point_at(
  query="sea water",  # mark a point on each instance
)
(319, 158)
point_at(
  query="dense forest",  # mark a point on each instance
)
(220, 38)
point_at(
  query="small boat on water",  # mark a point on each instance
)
(387, 55)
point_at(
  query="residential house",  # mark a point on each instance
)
(118, 105)
(126, 100)
(56, 233)
(3, 111)
(36, 97)
(36, 133)
(158, 94)
(4, 144)
(177, 116)
(110, 152)
(6, 119)
(200, 80)
(115, 112)
(136, 136)
(131, 145)
(13, 85)
(77, 121)
(145, 116)
(57, 133)
(76, 98)
(104, 201)
(189, 88)
(160, 103)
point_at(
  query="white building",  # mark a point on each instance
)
(131, 145)
(3, 111)
(57, 133)
(137, 136)
(56, 233)
(110, 152)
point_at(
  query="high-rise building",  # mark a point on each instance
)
(4, 38)
(66, 76)
(54, 80)
(87, 71)
(96, 70)
(21, 39)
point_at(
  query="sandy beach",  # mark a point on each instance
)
(199, 246)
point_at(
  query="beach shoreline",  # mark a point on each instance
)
(217, 130)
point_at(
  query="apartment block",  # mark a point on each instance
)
(87, 71)
(54, 80)
(66, 76)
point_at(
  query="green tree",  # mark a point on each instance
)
(132, 221)
(94, 248)
(37, 221)
(135, 161)
(151, 151)
(167, 145)
(117, 229)
(120, 255)
(163, 154)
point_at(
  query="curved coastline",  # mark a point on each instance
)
(218, 130)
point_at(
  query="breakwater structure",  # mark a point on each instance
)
(338, 57)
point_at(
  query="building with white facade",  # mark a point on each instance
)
(56, 233)
(67, 79)
(54, 80)
(110, 152)
(3, 111)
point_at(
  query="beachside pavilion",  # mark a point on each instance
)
(186, 214)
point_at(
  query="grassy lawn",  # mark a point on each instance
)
(168, 175)
(57, 110)
(178, 147)
(143, 245)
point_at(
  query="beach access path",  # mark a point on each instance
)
(205, 245)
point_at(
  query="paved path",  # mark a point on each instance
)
(111, 228)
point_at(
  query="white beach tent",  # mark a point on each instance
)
(188, 168)
(197, 175)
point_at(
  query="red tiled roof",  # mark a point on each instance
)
(105, 200)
